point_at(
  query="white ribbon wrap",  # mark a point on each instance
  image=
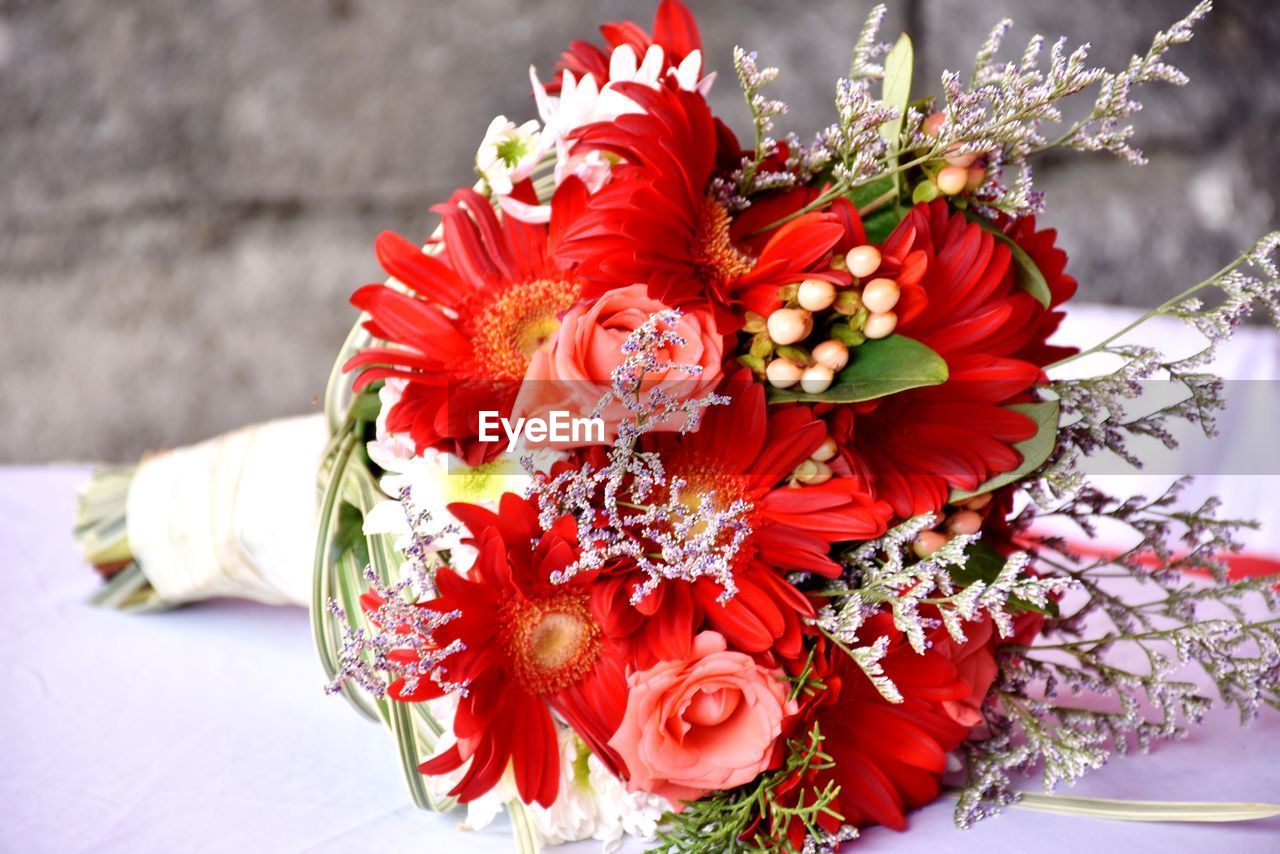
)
(233, 516)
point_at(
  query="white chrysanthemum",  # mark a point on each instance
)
(508, 153)
(435, 480)
(583, 102)
(389, 449)
(592, 803)
(621, 812)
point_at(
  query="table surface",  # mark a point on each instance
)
(207, 729)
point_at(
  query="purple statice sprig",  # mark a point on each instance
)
(1005, 108)
(1095, 407)
(642, 356)
(1003, 114)
(398, 623)
(681, 537)
(747, 179)
(422, 558)
(1111, 670)
(885, 575)
(868, 49)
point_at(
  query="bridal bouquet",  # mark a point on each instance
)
(722, 494)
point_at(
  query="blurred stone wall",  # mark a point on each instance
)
(191, 188)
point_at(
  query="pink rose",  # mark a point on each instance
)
(574, 371)
(704, 724)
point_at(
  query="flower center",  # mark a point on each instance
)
(703, 480)
(709, 708)
(511, 149)
(720, 489)
(519, 321)
(552, 642)
(480, 483)
(713, 250)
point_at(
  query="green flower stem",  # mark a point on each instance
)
(1094, 643)
(841, 188)
(1158, 310)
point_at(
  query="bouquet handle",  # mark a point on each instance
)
(234, 516)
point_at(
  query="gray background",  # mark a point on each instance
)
(189, 189)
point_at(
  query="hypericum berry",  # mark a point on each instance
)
(964, 522)
(880, 295)
(816, 379)
(951, 180)
(816, 294)
(812, 473)
(863, 260)
(933, 123)
(977, 502)
(977, 175)
(831, 354)
(928, 542)
(783, 373)
(880, 325)
(826, 450)
(964, 161)
(789, 325)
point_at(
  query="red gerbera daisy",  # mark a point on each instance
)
(886, 758)
(914, 447)
(657, 221)
(528, 646)
(743, 451)
(674, 30)
(478, 310)
(1042, 247)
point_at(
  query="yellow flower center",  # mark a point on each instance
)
(718, 487)
(552, 642)
(482, 483)
(713, 250)
(520, 320)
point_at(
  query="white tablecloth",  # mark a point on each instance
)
(206, 729)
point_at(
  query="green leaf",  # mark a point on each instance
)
(522, 828)
(1212, 811)
(868, 193)
(879, 201)
(881, 224)
(896, 93)
(349, 536)
(983, 563)
(897, 86)
(877, 368)
(1030, 279)
(877, 204)
(366, 405)
(1034, 450)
